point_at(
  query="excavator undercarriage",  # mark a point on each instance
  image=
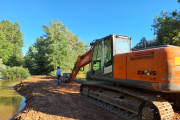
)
(128, 103)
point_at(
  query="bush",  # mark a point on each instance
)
(54, 72)
(2, 66)
(16, 72)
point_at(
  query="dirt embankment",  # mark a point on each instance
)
(46, 100)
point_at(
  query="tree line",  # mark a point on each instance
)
(11, 43)
(11, 55)
(58, 46)
(166, 28)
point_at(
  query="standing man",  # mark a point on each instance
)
(58, 73)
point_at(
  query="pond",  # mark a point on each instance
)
(10, 101)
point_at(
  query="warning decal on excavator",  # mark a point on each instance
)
(177, 60)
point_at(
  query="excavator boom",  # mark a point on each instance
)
(81, 62)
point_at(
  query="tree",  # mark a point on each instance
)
(58, 47)
(2, 66)
(30, 61)
(12, 43)
(142, 44)
(166, 27)
(87, 47)
(63, 46)
(5, 48)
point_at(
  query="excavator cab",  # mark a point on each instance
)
(103, 51)
(101, 56)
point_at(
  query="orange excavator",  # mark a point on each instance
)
(137, 85)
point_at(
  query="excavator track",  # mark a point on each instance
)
(150, 107)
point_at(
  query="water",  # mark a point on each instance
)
(10, 101)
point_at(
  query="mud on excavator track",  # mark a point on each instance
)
(126, 102)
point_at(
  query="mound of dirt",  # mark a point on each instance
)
(47, 101)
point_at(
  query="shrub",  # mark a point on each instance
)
(16, 72)
(54, 72)
(2, 66)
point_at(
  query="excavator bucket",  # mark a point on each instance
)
(65, 77)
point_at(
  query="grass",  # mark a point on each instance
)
(81, 77)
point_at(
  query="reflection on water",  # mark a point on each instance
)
(10, 101)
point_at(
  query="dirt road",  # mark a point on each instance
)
(45, 100)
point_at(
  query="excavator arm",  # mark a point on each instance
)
(81, 62)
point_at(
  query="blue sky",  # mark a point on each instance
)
(89, 19)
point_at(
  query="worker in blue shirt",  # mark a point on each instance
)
(58, 73)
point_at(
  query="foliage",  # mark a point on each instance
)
(58, 47)
(2, 66)
(145, 43)
(30, 61)
(5, 48)
(54, 72)
(166, 27)
(87, 47)
(16, 72)
(61, 44)
(81, 75)
(11, 43)
(141, 44)
(167, 30)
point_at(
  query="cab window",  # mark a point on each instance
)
(96, 59)
(108, 52)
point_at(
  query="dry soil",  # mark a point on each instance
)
(45, 100)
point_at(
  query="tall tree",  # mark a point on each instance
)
(30, 61)
(58, 47)
(142, 44)
(5, 48)
(87, 47)
(166, 27)
(63, 46)
(13, 38)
